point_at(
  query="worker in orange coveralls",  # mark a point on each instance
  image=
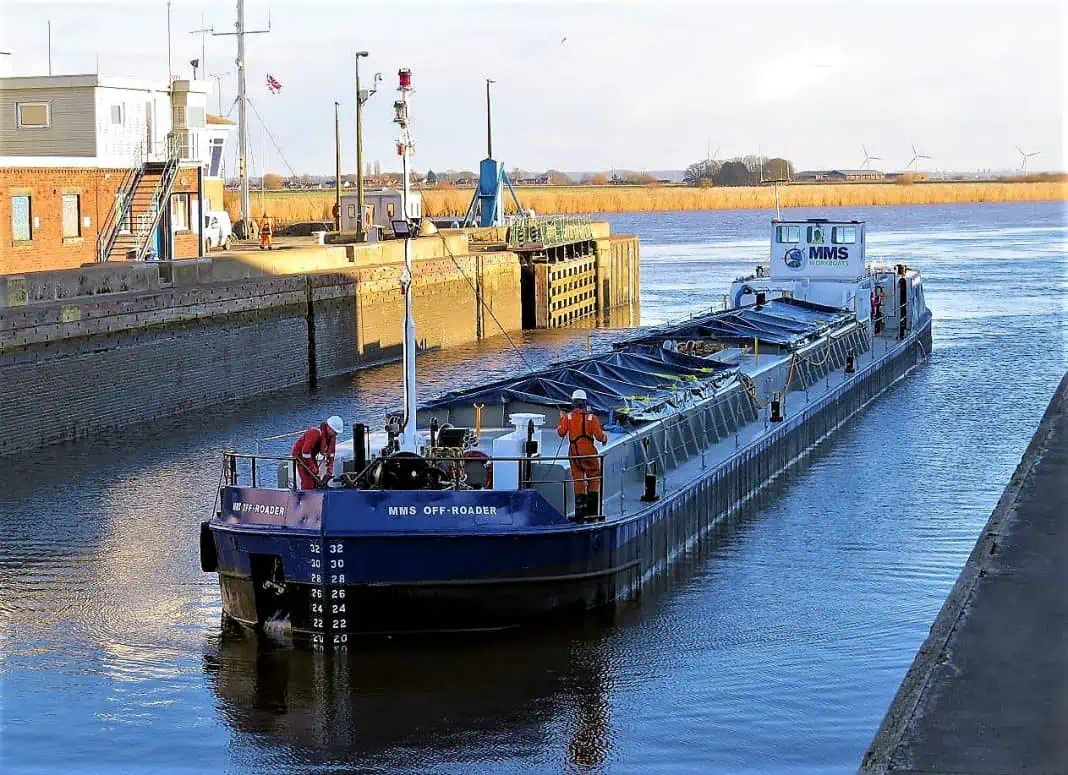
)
(582, 427)
(314, 442)
(265, 232)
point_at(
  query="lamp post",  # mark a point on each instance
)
(337, 166)
(362, 95)
(489, 121)
(360, 235)
(217, 77)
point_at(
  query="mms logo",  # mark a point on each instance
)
(794, 258)
(829, 254)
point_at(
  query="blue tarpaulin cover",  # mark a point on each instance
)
(642, 382)
(779, 321)
(641, 379)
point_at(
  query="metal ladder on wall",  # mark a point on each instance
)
(140, 225)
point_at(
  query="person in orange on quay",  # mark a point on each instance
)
(312, 443)
(582, 428)
(265, 232)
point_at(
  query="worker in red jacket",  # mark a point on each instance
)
(582, 427)
(312, 444)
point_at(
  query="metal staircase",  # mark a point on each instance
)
(139, 204)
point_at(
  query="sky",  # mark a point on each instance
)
(603, 85)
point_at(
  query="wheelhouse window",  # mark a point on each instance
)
(72, 215)
(788, 235)
(21, 218)
(844, 235)
(33, 115)
(815, 235)
(118, 115)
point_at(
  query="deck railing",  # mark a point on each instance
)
(246, 470)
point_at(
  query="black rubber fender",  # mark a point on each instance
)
(209, 557)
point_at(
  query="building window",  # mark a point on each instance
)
(391, 210)
(215, 164)
(118, 115)
(72, 215)
(33, 115)
(180, 212)
(788, 235)
(844, 235)
(21, 218)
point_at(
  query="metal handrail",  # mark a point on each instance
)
(230, 475)
(548, 230)
(159, 197)
(109, 230)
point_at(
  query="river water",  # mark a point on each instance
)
(775, 646)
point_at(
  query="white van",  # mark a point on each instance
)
(217, 231)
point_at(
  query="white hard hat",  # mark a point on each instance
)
(336, 424)
(578, 395)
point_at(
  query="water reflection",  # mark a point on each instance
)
(410, 703)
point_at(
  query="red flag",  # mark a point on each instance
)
(273, 86)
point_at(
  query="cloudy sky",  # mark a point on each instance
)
(596, 85)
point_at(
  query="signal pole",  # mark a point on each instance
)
(409, 440)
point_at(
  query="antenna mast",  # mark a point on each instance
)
(404, 148)
(203, 32)
(242, 107)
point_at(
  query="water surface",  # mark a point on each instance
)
(775, 646)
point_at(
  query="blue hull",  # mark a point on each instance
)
(340, 563)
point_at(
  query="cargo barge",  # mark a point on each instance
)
(462, 514)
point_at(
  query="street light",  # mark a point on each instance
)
(218, 86)
(361, 97)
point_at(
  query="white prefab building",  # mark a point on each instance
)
(103, 121)
(381, 207)
(81, 120)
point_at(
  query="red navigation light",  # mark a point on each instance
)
(400, 149)
(405, 76)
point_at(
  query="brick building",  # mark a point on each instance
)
(94, 168)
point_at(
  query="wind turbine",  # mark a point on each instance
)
(915, 156)
(868, 158)
(1024, 156)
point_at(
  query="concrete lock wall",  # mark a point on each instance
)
(105, 346)
(76, 367)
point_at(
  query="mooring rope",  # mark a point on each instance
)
(474, 289)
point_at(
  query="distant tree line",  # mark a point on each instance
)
(748, 170)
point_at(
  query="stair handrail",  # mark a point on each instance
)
(109, 229)
(159, 197)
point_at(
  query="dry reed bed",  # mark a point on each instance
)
(291, 206)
